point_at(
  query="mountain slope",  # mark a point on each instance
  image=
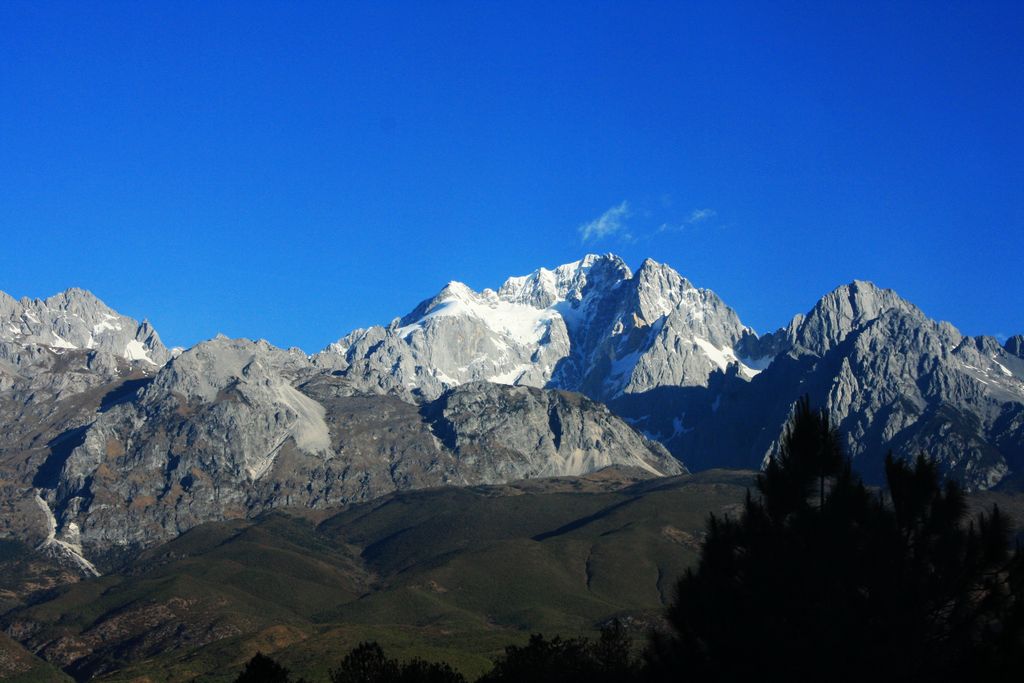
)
(231, 428)
(680, 366)
(456, 573)
(890, 377)
(105, 451)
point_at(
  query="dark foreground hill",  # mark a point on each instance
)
(452, 573)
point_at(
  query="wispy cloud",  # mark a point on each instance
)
(696, 217)
(701, 215)
(611, 222)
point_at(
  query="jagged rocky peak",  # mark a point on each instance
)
(591, 326)
(891, 379)
(659, 289)
(453, 291)
(77, 319)
(984, 344)
(543, 288)
(247, 389)
(842, 311)
(1015, 345)
(234, 427)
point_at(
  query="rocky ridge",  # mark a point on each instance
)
(231, 428)
(890, 378)
(591, 326)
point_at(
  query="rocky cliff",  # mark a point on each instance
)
(231, 428)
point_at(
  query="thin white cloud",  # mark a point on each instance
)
(696, 216)
(608, 223)
(701, 215)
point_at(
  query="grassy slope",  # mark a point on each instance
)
(453, 574)
(448, 573)
(18, 665)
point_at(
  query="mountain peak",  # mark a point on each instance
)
(77, 319)
(864, 299)
(75, 294)
(591, 325)
(457, 289)
(650, 264)
(543, 288)
(845, 309)
(589, 260)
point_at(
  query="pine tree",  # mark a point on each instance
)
(366, 663)
(819, 579)
(263, 669)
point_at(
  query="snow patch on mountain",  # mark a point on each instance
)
(136, 350)
(520, 323)
(76, 320)
(61, 343)
(591, 325)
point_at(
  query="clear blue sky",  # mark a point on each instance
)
(295, 170)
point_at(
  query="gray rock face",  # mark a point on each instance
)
(510, 433)
(1015, 345)
(890, 378)
(591, 326)
(39, 372)
(61, 360)
(840, 312)
(75, 319)
(231, 428)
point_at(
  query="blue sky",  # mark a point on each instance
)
(292, 171)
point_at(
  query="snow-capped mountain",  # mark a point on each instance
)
(76, 319)
(680, 366)
(109, 441)
(104, 448)
(591, 326)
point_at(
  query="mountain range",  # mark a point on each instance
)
(114, 443)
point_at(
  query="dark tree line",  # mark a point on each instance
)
(608, 659)
(368, 664)
(819, 578)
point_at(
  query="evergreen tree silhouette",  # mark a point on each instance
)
(263, 669)
(821, 579)
(421, 671)
(574, 660)
(366, 663)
